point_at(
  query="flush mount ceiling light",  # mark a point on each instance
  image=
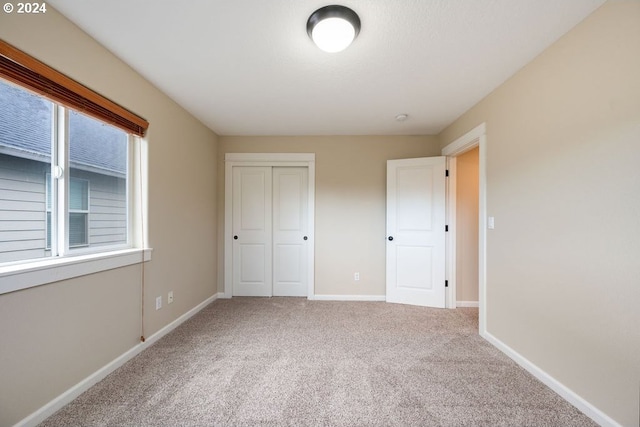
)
(333, 28)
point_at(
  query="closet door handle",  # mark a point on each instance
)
(305, 238)
(390, 237)
(235, 237)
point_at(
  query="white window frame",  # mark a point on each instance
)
(67, 263)
(87, 212)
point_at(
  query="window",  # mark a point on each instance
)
(72, 177)
(98, 157)
(25, 157)
(89, 191)
(78, 212)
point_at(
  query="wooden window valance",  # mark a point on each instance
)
(26, 71)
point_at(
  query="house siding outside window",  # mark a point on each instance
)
(98, 178)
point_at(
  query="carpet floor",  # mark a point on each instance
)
(295, 362)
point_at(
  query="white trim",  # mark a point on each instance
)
(262, 158)
(138, 188)
(469, 304)
(475, 137)
(565, 392)
(41, 272)
(311, 257)
(450, 263)
(465, 142)
(307, 160)
(482, 230)
(349, 298)
(186, 316)
(228, 215)
(56, 404)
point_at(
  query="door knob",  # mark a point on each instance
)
(390, 237)
(305, 237)
(235, 237)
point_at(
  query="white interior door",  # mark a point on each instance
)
(252, 231)
(290, 238)
(416, 231)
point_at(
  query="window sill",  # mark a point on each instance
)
(41, 272)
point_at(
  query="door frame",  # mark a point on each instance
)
(231, 160)
(476, 137)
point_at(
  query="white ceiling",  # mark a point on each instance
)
(247, 67)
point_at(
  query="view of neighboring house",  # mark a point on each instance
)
(96, 192)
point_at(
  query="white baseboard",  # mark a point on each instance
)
(56, 404)
(470, 304)
(180, 320)
(348, 298)
(565, 392)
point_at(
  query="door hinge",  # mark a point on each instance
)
(446, 283)
(446, 172)
(446, 228)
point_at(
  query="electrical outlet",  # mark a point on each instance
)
(159, 302)
(170, 297)
(356, 276)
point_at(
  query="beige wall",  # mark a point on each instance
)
(467, 226)
(53, 336)
(350, 202)
(563, 148)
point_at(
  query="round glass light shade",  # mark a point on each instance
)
(333, 28)
(333, 34)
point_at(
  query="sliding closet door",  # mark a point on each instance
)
(252, 231)
(270, 222)
(290, 222)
